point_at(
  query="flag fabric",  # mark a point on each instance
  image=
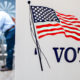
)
(43, 14)
(50, 22)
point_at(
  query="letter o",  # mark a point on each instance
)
(74, 55)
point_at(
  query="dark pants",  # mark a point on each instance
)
(10, 41)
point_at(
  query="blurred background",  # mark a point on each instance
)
(9, 7)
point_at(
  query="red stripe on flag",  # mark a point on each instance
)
(64, 20)
(75, 22)
(77, 26)
(78, 39)
(50, 34)
(47, 25)
(47, 30)
(71, 36)
(73, 32)
(66, 23)
(69, 18)
(73, 28)
(65, 15)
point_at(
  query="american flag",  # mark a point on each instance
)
(50, 22)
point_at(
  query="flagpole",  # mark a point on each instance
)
(37, 44)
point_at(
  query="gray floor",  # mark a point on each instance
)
(8, 75)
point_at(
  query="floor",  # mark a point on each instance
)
(7, 75)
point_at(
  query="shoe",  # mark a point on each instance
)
(3, 66)
(6, 69)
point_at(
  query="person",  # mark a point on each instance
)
(7, 26)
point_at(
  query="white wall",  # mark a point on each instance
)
(27, 64)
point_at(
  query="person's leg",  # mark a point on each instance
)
(10, 41)
(10, 51)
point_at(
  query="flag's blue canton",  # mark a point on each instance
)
(43, 14)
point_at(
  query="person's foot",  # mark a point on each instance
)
(3, 66)
(6, 69)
